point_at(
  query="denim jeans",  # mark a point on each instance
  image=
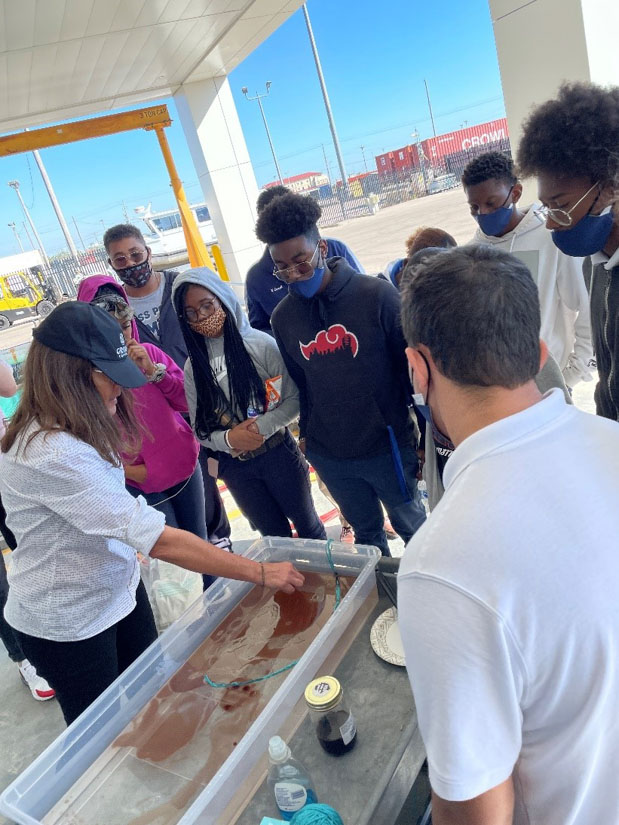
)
(359, 485)
(274, 489)
(217, 524)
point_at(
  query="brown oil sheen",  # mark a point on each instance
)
(187, 731)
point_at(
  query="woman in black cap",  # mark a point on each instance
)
(75, 600)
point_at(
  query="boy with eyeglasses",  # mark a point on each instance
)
(150, 296)
(340, 336)
(571, 144)
(263, 292)
(493, 193)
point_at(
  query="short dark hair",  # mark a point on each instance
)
(487, 166)
(288, 217)
(119, 232)
(428, 236)
(476, 308)
(265, 198)
(576, 135)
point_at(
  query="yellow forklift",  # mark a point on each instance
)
(23, 295)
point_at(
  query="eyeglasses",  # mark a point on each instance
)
(122, 261)
(303, 268)
(563, 217)
(204, 310)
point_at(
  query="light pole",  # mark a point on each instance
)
(266, 125)
(364, 160)
(56, 205)
(325, 97)
(420, 156)
(16, 233)
(14, 184)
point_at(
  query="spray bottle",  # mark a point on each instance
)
(291, 784)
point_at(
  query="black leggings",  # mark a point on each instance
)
(80, 671)
(274, 489)
(7, 535)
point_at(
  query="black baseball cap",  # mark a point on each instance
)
(78, 328)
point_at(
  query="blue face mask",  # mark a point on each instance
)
(495, 222)
(395, 271)
(589, 235)
(309, 287)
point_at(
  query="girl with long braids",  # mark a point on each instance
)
(241, 401)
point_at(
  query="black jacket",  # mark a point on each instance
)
(171, 340)
(605, 337)
(345, 351)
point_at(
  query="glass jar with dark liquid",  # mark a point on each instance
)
(335, 725)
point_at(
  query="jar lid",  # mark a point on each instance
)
(323, 693)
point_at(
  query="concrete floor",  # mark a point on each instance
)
(27, 726)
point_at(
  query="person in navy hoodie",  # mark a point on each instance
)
(341, 339)
(263, 292)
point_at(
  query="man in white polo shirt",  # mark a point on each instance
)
(507, 595)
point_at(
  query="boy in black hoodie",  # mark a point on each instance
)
(340, 336)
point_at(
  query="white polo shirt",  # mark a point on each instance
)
(509, 613)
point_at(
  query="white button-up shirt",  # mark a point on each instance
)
(75, 571)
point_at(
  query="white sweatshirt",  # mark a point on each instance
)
(564, 301)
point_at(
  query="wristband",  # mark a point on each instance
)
(227, 440)
(262, 573)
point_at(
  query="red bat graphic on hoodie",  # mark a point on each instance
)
(336, 338)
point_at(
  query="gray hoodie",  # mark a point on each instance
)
(282, 394)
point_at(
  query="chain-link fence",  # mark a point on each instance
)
(65, 272)
(369, 192)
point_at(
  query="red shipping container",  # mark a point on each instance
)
(470, 138)
(435, 149)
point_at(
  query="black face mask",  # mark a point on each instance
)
(136, 276)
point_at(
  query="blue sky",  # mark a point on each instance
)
(374, 56)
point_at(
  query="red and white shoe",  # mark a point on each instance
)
(37, 684)
(347, 535)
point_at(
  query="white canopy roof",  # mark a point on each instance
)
(61, 59)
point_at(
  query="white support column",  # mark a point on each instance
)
(210, 121)
(543, 43)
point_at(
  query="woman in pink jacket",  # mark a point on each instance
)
(166, 470)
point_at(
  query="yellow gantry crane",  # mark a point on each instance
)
(155, 118)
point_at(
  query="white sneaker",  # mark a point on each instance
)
(37, 684)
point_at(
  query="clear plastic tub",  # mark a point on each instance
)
(75, 771)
